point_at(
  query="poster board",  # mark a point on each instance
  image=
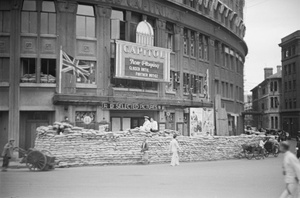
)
(201, 121)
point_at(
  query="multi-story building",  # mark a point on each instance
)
(248, 118)
(117, 61)
(266, 101)
(290, 104)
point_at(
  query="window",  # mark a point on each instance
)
(226, 56)
(192, 46)
(295, 103)
(28, 70)
(290, 85)
(275, 85)
(117, 25)
(217, 52)
(170, 34)
(4, 21)
(85, 21)
(271, 86)
(263, 91)
(206, 55)
(48, 18)
(272, 122)
(262, 106)
(285, 86)
(291, 105)
(231, 91)
(272, 102)
(171, 87)
(289, 69)
(4, 69)
(293, 50)
(294, 84)
(285, 70)
(29, 17)
(48, 70)
(217, 91)
(276, 122)
(286, 104)
(90, 67)
(135, 19)
(186, 82)
(223, 89)
(276, 102)
(294, 68)
(185, 42)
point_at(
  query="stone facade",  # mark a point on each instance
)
(83, 149)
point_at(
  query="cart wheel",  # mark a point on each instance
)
(36, 161)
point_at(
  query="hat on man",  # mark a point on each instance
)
(11, 140)
(146, 117)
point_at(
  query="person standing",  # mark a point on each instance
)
(174, 149)
(147, 124)
(7, 154)
(154, 125)
(144, 151)
(262, 147)
(291, 172)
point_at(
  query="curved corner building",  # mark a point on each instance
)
(95, 61)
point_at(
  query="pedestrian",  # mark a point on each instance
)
(262, 147)
(174, 149)
(154, 125)
(7, 154)
(144, 151)
(291, 172)
(147, 124)
(298, 148)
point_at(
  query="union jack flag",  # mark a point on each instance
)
(73, 66)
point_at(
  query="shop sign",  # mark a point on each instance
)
(142, 62)
(87, 120)
(131, 106)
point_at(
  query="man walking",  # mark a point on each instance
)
(291, 172)
(174, 149)
(7, 154)
(144, 151)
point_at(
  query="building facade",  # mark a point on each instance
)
(266, 101)
(117, 61)
(248, 118)
(290, 104)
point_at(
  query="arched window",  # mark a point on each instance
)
(145, 33)
(85, 21)
(29, 17)
(48, 18)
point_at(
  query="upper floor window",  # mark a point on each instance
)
(200, 47)
(48, 18)
(85, 21)
(206, 53)
(4, 21)
(135, 19)
(193, 43)
(170, 35)
(117, 25)
(185, 42)
(29, 17)
(4, 69)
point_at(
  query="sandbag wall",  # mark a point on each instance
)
(82, 150)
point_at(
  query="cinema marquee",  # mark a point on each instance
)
(142, 62)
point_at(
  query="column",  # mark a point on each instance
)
(161, 42)
(14, 74)
(103, 49)
(179, 56)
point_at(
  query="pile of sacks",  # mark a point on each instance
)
(62, 129)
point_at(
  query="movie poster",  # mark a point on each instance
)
(201, 121)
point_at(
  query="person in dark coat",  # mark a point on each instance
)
(7, 154)
(298, 148)
(144, 151)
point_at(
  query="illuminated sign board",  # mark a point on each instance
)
(142, 62)
(131, 106)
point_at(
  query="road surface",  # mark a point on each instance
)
(216, 179)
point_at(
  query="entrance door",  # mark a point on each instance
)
(137, 122)
(30, 133)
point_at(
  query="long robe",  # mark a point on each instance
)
(174, 148)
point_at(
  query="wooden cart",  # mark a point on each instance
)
(38, 160)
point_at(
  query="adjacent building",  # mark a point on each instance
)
(290, 104)
(266, 101)
(248, 117)
(116, 61)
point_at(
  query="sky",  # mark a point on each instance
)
(267, 21)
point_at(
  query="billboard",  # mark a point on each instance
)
(201, 121)
(142, 62)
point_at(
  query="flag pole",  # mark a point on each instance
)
(60, 68)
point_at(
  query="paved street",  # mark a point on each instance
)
(217, 179)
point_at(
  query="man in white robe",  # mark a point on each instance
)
(291, 172)
(147, 124)
(174, 149)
